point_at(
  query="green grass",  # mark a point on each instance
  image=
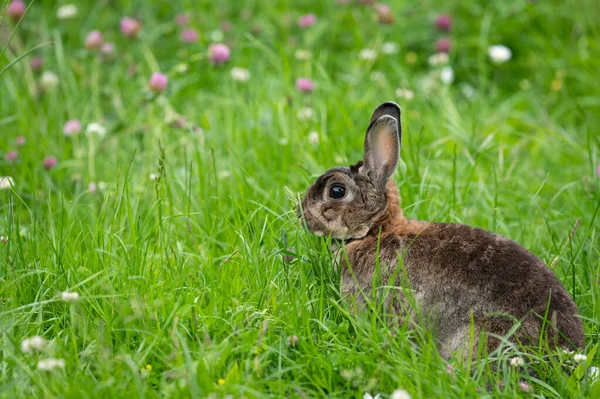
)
(186, 284)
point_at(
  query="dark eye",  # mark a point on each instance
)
(337, 191)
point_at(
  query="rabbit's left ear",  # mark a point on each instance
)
(382, 144)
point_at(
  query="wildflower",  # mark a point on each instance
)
(443, 22)
(556, 84)
(130, 27)
(95, 128)
(68, 296)
(384, 14)
(182, 19)
(6, 182)
(447, 75)
(443, 45)
(516, 361)
(153, 176)
(390, 48)
(313, 138)
(3, 239)
(438, 59)
(468, 91)
(66, 11)
(108, 49)
(189, 35)
(11, 156)
(33, 344)
(450, 370)
(307, 20)
(92, 187)
(367, 54)
(49, 162)
(49, 80)
(72, 127)
(221, 381)
(377, 76)
(400, 394)
(305, 85)
(406, 94)
(37, 63)
(51, 364)
(216, 35)
(149, 367)
(499, 53)
(525, 387)
(20, 140)
(16, 10)
(579, 358)
(240, 74)
(292, 341)
(369, 396)
(302, 55)
(158, 82)
(94, 40)
(411, 57)
(218, 53)
(305, 113)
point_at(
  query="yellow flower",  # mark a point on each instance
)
(221, 381)
(556, 84)
(411, 57)
(149, 367)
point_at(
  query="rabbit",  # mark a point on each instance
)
(462, 278)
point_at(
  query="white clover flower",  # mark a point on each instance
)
(96, 129)
(3, 239)
(499, 53)
(240, 74)
(305, 113)
(68, 296)
(67, 11)
(313, 138)
(390, 48)
(406, 94)
(216, 35)
(33, 344)
(367, 54)
(438, 59)
(153, 176)
(468, 91)
(377, 76)
(516, 361)
(369, 396)
(51, 364)
(302, 55)
(447, 75)
(6, 182)
(49, 80)
(579, 358)
(400, 394)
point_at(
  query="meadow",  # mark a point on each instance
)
(151, 158)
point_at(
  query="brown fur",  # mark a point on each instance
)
(461, 277)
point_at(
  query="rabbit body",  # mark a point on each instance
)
(463, 279)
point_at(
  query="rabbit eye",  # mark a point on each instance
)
(337, 191)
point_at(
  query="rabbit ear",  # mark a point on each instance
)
(382, 144)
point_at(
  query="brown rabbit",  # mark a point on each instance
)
(461, 277)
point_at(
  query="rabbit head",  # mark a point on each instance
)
(347, 201)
